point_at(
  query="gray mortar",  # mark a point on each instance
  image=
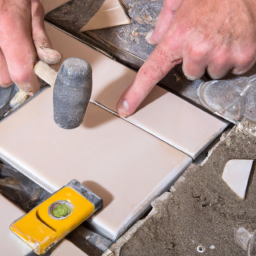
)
(75, 14)
(202, 210)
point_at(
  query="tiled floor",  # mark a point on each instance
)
(162, 114)
(124, 165)
(120, 162)
(13, 246)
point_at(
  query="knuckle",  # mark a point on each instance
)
(21, 75)
(196, 52)
(245, 58)
(5, 81)
(221, 61)
(152, 72)
(191, 72)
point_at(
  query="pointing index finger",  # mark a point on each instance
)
(159, 63)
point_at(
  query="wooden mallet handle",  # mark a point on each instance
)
(45, 72)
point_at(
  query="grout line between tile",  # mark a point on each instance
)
(138, 126)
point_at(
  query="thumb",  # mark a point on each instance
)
(164, 21)
(42, 42)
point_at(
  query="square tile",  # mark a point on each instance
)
(162, 114)
(124, 165)
(12, 245)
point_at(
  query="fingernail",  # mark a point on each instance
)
(123, 108)
(50, 56)
(213, 77)
(148, 37)
(239, 72)
(190, 77)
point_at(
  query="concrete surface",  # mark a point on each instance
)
(201, 209)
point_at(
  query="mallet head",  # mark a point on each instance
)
(72, 92)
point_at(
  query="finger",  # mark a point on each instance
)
(164, 21)
(237, 71)
(243, 63)
(5, 79)
(18, 47)
(159, 63)
(220, 63)
(193, 69)
(243, 57)
(194, 63)
(42, 42)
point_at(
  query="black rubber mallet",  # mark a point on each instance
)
(71, 92)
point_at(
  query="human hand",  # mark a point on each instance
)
(22, 39)
(217, 35)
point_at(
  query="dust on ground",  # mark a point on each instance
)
(203, 210)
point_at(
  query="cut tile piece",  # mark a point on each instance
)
(110, 14)
(124, 165)
(236, 174)
(12, 245)
(162, 114)
(50, 5)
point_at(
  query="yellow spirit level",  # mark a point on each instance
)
(52, 220)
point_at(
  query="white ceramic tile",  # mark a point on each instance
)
(9, 243)
(236, 174)
(110, 14)
(163, 114)
(50, 5)
(13, 246)
(124, 165)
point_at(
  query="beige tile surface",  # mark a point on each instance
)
(163, 114)
(124, 165)
(11, 245)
